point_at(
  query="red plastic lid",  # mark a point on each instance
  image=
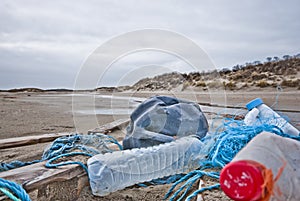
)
(242, 180)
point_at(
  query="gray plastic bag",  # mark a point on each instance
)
(161, 119)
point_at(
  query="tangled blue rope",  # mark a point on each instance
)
(13, 191)
(16, 164)
(89, 144)
(92, 144)
(190, 179)
(235, 136)
(50, 165)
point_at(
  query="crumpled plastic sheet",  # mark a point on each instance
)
(161, 119)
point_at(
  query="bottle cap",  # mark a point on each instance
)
(242, 180)
(254, 103)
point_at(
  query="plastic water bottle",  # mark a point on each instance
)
(117, 170)
(252, 172)
(251, 117)
(261, 113)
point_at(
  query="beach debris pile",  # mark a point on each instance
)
(168, 141)
(214, 150)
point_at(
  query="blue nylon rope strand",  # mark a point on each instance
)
(113, 140)
(190, 181)
(184, 178)
(194, 179)
(15, 188)
(185, 192)
(190, 177)
(16, 164)
(50, 165)
(195, 193)
(9, 194)
(189, 184)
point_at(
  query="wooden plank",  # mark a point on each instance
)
(34, 176)
(107, 128)
(30, 140)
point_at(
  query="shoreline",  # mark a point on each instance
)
(37, 113)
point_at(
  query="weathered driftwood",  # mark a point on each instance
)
(29, 140)
(36, 176)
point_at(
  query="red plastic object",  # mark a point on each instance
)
(242, 180)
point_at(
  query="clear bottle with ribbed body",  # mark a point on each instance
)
(117, 170)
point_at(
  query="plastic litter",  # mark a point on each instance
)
(251, 117)
(114, 171)
(259, 113)
(161, 118)
(230, 138)
(267, 168)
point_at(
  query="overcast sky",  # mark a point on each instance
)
(44, 43)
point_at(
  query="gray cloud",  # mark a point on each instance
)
(45, 43)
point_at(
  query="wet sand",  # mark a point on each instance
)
(24, 114)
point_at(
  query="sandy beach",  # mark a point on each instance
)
(37, 113)
(30, 113)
